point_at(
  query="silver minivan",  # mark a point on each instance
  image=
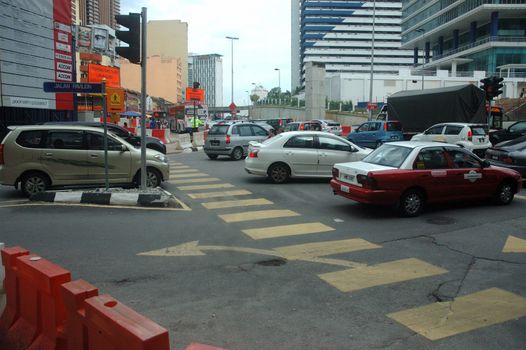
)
(231, 139)
(42, 156)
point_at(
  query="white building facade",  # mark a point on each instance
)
(208, 71)
(339, 34)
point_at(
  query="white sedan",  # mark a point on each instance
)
(300, 154)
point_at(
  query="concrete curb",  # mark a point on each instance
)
(162, 199)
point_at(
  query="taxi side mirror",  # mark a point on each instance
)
(485, 164)
(124, 148)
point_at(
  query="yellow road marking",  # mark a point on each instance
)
(514, 245)
(204, 187)
(219, 194)
(237, 203)
(182, 176)
(179, 167)
(194, 249)
(184, 171)
(258, 215)
(377, 275)
(194, 181)
(464, 314)
(326, 248)
(287, 230)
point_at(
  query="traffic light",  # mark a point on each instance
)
(487, 87)
(497, 86)
(132, 37)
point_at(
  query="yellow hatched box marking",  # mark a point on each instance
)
(195, 181)
(204, 187)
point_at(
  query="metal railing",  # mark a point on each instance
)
(488, 39)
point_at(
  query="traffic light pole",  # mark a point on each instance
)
(104, 116)
(143, 100)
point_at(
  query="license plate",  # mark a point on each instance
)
(495, 157)
(344, 188)
(482, 139)
(214, 143)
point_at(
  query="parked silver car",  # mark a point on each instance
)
(42, 156)
(232, 138)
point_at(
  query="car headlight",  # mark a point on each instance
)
(161, 158)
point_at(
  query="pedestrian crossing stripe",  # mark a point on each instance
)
(219, 194)
(237, 203)
(326, 248)
(445, 319)
(287, 230)
(257, 215)
(184, 171)
(194, 181)
(520, 197)
(351, 280)
(204, 187)
(182, 176)
(179, 167)
(514, 245)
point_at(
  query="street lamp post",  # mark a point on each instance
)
(423, 54)
(279, 78)
(370, 111)
(231, 38)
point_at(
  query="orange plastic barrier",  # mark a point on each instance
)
(112, 325)
(74, 294)
(346, 130)
(12, 307)
(42, 313)
(161, 134)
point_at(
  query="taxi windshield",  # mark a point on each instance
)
(388, 155)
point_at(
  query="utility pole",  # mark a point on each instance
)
(231, 38)
(143, 99)
(370, 111)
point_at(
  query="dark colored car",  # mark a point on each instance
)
(151, 142)
(515, 130)
(277, 123)
(509, 154)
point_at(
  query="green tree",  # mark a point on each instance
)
(254, 98)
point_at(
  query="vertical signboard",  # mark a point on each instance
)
(35, 46)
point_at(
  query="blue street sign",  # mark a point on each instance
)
(82, 88)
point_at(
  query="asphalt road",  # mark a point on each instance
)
(293, 267)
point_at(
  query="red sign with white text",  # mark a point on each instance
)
(63, 50)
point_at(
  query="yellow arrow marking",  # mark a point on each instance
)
(310, 250)
(466, 313)
(257, 215)
(514, 245)
(218, 194)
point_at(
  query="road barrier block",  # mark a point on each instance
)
(162, 134)
(112, 325)
(74, 294)
(198, 139)
(42, 313)
(197, 346)
(12, 290)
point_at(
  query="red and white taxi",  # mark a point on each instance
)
(408, 174)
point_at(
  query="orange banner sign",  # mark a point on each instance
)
(96, 73)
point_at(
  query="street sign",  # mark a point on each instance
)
(195, 94)
(372, 106)
(232, 107)
(115, 100)
(82, 88)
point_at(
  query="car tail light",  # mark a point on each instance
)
(385, 126)
(302, 126)
(253, 154)
(335, 173)
(470, 135)
(505, 159)
(1, 154)
(227, 139)
(366, 181)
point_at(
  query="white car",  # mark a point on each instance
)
(330, 126)
(300, 154)
(473, 137)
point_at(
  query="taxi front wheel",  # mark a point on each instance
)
(505, 193)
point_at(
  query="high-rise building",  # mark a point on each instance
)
(466, 36)
(339, 34)
(208, 71)
(95, 12)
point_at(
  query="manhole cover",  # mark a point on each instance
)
(272, 262)
(440, 220)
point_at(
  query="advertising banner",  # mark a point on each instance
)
(84, 37)
(96, 73)
(99, 39)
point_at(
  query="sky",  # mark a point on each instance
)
(262, 26)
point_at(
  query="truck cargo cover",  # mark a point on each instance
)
(419, 109)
